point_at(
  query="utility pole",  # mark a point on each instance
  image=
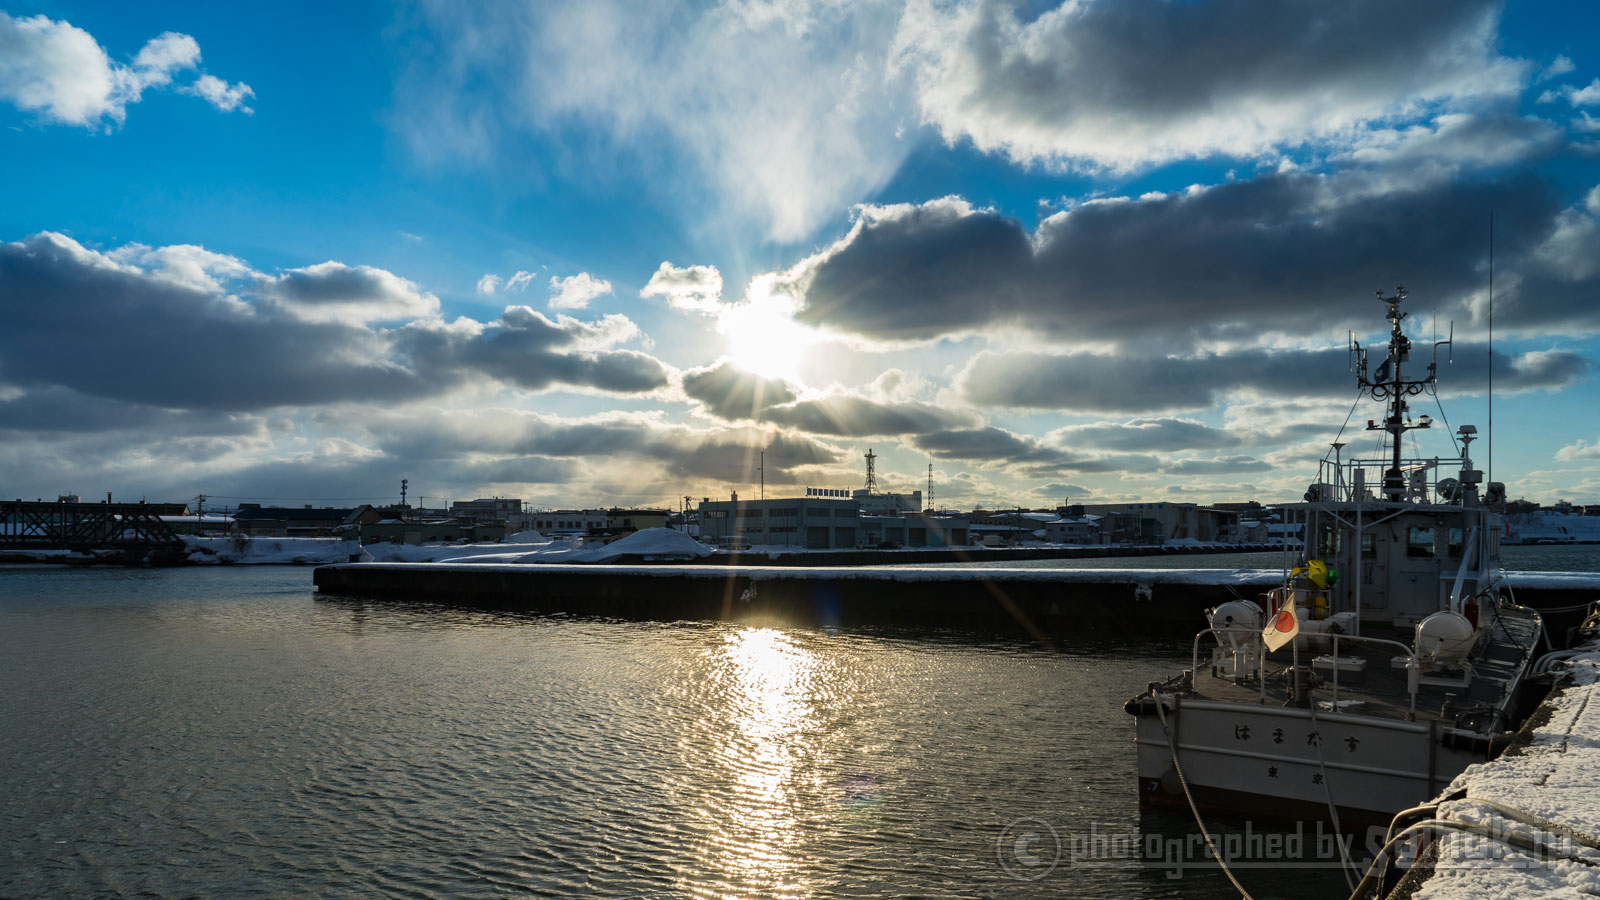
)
(763, 470)
(930, 487)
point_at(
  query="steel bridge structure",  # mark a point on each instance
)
(63, 525)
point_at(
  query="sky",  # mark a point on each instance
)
(603, 253)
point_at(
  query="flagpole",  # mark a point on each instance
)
(1294, 649)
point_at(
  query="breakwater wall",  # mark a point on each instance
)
(1048, 602)
(1041, 602)
(980, 555)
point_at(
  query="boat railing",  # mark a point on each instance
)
(1256, 649)
(1352, 480)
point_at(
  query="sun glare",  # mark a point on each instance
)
(762, 338)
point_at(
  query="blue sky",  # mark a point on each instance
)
(597, 253)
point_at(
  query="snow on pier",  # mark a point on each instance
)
(1542, 842)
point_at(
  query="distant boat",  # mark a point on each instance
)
(1559, 525)
(1387, 662)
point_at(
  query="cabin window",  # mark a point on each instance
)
(1328, 539)
(1458, 540)
(1419, 541)
(1369, 545)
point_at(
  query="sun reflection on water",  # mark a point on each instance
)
(765, 758)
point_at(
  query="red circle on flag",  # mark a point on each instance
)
(1284, 621)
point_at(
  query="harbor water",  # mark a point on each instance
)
(222, 732)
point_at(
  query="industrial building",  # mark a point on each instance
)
(493, 509)
(815, 523)
(914, 530)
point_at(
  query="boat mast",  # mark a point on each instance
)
(1389, 384)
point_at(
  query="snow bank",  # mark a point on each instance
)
(315, 551)
(1553, 778)
(650, 543)
(527, 537)
(264, 551)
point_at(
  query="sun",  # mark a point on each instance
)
(764, 339)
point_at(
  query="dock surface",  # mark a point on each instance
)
(1549, 791)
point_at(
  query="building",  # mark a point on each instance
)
(1009, 527)
(1160, 521)
(915, 530)
(1074, 530)
(567, 521)
(887, 503)
(815, 523)
(447, 531)
(286, 521)
(623, 522)
(496, 509)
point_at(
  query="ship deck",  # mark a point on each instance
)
(1483, 704)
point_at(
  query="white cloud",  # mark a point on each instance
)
(781, 110)
(488, 283)
(304, 337)
(224, 96)
(334, 292)
(160, 58)
(692, 288)
(1560, 66)
(1578, 451)
(1457, 139)
(185, 264)
(575, 292)
(1128, 83)
(1569, 251)
(61, 72)
(519, 282)
(1589, 96)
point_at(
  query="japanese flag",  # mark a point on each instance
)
(1282, 627)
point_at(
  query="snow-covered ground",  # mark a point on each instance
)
(1554, 780)
(524, 547)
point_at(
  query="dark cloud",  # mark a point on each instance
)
(726, 455)
(919, 272)
(732, 393)
(1027, 457)
(331, 290)
(518, 470)
(530, 350)
(1149, 435)
(1284, 253)
(1131, 384)
(842, 415)
(1136, 81)
(987, 443)
(1217, 465)
(58, 410)
(78, 319)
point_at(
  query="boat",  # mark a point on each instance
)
(1390, 658)
(1561, 524)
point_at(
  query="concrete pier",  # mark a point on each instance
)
(1526, 824)
(1046, 602)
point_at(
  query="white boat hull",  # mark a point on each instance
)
(1263, 761)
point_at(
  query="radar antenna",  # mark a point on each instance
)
(1389, 384)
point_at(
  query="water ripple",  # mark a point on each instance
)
(220, 734)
